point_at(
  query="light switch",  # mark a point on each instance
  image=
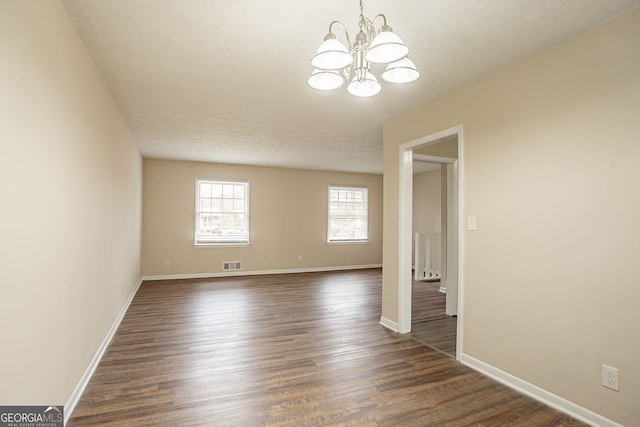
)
(471, 223)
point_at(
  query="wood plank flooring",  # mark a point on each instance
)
(285, 350)
(429, 323)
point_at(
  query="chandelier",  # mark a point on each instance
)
(334, 63)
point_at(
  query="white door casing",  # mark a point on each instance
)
(454, 227)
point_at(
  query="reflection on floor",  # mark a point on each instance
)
(429, 323)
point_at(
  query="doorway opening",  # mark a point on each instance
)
(444, 151)
(430, 323)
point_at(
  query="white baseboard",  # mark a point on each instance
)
(77, 393)
(389, 324)
(544, 396)
(259, 273)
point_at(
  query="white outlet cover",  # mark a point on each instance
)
(610, 377)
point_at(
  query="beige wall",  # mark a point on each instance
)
(427, 213)
(70, 188)
(288, 218)
(551, 168)
(445, 148)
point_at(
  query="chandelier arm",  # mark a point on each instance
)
(346, 33)
(384, 21)
(346, 72)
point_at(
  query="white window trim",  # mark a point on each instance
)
(345, 242)
(196, 244)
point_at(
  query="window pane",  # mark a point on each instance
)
(348, 214)
(227, 191)
(238, 192)
(222, 212)
(205, 190)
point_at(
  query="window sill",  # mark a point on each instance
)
(220, 245)
(348, 242)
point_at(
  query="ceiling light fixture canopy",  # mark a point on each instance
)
(334, 63)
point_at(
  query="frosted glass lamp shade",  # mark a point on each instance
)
(403, 71)
(386, 47)
(369, 86)
(332, 55)
(325, 79)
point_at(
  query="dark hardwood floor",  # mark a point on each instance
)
(285, 350)
(429, 323)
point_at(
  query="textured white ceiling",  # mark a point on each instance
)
(225, 80)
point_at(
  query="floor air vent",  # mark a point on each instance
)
(231, 265)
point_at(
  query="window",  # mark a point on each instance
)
(348, 214)
(222, 212)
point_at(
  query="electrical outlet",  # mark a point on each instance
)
(610, 377)
(167, 263)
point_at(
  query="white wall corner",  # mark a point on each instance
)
(539, 394)
(389, 324)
